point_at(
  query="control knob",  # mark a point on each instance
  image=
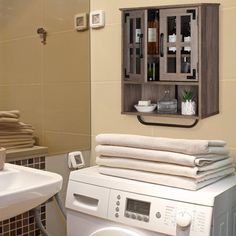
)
(183, 219)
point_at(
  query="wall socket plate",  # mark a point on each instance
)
(75, 160)
(97, 19)
(81, 21)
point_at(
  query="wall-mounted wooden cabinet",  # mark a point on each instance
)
(171, 48)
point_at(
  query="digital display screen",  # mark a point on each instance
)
(78, 159)
(139, 207)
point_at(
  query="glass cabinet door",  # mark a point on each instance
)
(134, 40)
(178, 44)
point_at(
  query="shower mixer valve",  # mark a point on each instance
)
(43, 35)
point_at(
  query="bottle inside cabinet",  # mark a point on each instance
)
(153, 45)
(153, 69)
(153, 32)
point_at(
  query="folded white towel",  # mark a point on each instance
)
(10, 114)
(160, 156)
(2, 157)
(18, 144)
(169, 180)
(164, 168)
(166, 144)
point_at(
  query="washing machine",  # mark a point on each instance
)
(100, 205)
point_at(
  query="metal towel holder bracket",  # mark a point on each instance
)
(167, 124)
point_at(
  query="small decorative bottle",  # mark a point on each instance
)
(167, 104)
(153, 29)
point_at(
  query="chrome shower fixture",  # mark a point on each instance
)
(43, 35)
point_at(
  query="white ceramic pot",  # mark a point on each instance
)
(188, 108)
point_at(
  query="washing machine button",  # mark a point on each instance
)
(134, 216)
(116, 215)
(127, 214)
(140, 217)
(117, 203)
(158, 215)
(118, 197)
(146, 218)
(117, 209)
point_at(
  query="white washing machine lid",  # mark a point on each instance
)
(205, 196)
(114, 231)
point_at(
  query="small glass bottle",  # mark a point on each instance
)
(167, 104)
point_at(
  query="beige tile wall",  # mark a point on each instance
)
(49, 84)
(105, 78)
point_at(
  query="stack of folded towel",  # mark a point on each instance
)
(13, 133)
(182, 163)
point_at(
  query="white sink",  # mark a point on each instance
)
(24, 188)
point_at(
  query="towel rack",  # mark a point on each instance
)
(167, 124)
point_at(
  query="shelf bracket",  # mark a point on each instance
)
(193, 12)
(166, 124)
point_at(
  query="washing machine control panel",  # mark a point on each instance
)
(159, 215)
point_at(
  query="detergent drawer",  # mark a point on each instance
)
(87, 198)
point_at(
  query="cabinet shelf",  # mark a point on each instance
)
(182, 55)
(156, 114)
(189, 83)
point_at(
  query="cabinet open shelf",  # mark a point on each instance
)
(156, 114)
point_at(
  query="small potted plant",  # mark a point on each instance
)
(188, 106)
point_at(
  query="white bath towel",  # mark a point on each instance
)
(169, 180)
(186, 146)
(5, 138)
(160, 156)
(164, 168)
(16, 132)
(10, 114)
(18, 144)
(8, 120)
